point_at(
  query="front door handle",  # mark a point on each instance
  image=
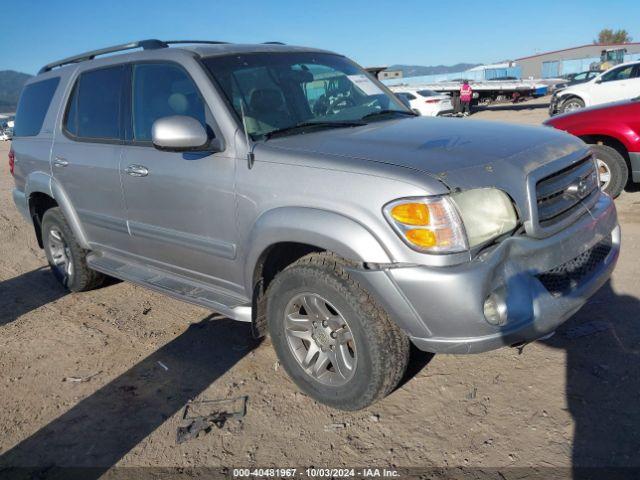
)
(60, 162)
(137, 170)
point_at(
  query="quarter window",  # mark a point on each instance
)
(33, 106)
(162, 90)
(94, 107)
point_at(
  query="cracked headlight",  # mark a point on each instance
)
(452, 223)
(487, 213)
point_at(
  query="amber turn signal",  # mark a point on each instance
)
(411, 213)
(422, 237)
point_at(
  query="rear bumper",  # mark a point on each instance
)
(441, 309)
(20, 200)
(634, 159)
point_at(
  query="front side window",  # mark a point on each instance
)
(622, 73)
(33, 106)
(93, 111)
(162, 90)
(279, 91)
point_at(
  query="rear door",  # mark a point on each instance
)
(86, 155)
(181, 210)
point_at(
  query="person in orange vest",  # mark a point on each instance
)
(466, 93)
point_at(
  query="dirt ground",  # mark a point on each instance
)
(101, 379)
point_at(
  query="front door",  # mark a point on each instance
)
(181, 206)
(614, 85)
(86, 156)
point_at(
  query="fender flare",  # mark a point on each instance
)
(41, 182)
(324, 229)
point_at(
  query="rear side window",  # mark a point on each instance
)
(33, 106)
(93, 111)
(162, 90)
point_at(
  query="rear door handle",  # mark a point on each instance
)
(60, 162)
(137, 170)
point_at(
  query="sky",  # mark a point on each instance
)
(373, 33)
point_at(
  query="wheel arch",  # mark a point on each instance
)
(43, 192)
(284, 235)
(314, 228)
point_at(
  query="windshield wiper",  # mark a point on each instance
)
(301, 127)
(380, 113)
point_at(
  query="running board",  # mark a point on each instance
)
(187, 290)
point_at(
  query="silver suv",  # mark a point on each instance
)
(286, 187)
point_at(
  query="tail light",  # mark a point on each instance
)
(12, 161)
(432, 100)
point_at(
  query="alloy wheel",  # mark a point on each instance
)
(604, 173)
(60, 253)
(320, 339)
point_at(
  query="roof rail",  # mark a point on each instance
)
(205, 42)
(151, 44)
(273, 43)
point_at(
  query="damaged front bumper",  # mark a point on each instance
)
(542, 283)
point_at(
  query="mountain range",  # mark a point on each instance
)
(11, 83)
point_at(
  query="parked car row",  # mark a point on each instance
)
(6, 134)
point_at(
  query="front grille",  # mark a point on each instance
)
(568, 276)
(559, 195)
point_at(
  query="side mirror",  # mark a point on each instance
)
(179, 133)
(598, 80)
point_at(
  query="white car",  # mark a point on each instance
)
(621, 82)
(425, 102)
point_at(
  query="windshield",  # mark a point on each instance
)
(277, 91)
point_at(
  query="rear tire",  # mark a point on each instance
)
(571, 104)
(374, 358)
(67, 259)
(612, 166)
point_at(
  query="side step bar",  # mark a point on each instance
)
(219, 300)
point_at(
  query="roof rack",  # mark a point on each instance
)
(205, 42)
(150, 44)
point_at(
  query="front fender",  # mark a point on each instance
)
(41, 182)
(321, 228)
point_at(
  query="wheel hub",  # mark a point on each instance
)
(323, 337)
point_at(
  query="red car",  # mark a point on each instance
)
(614, 131)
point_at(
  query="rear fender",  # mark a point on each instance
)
(40, 182)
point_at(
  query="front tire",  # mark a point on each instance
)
(67, 259)
(612, 168)
(571, 104)
(330, 335)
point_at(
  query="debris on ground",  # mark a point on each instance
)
(203, 415)
(81, 379)
(335, 426)
(163, 365)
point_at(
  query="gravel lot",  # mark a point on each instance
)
(101, 379)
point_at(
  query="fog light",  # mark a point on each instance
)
(495, 309)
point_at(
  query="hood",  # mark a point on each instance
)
(448, 148)
(611, 107)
